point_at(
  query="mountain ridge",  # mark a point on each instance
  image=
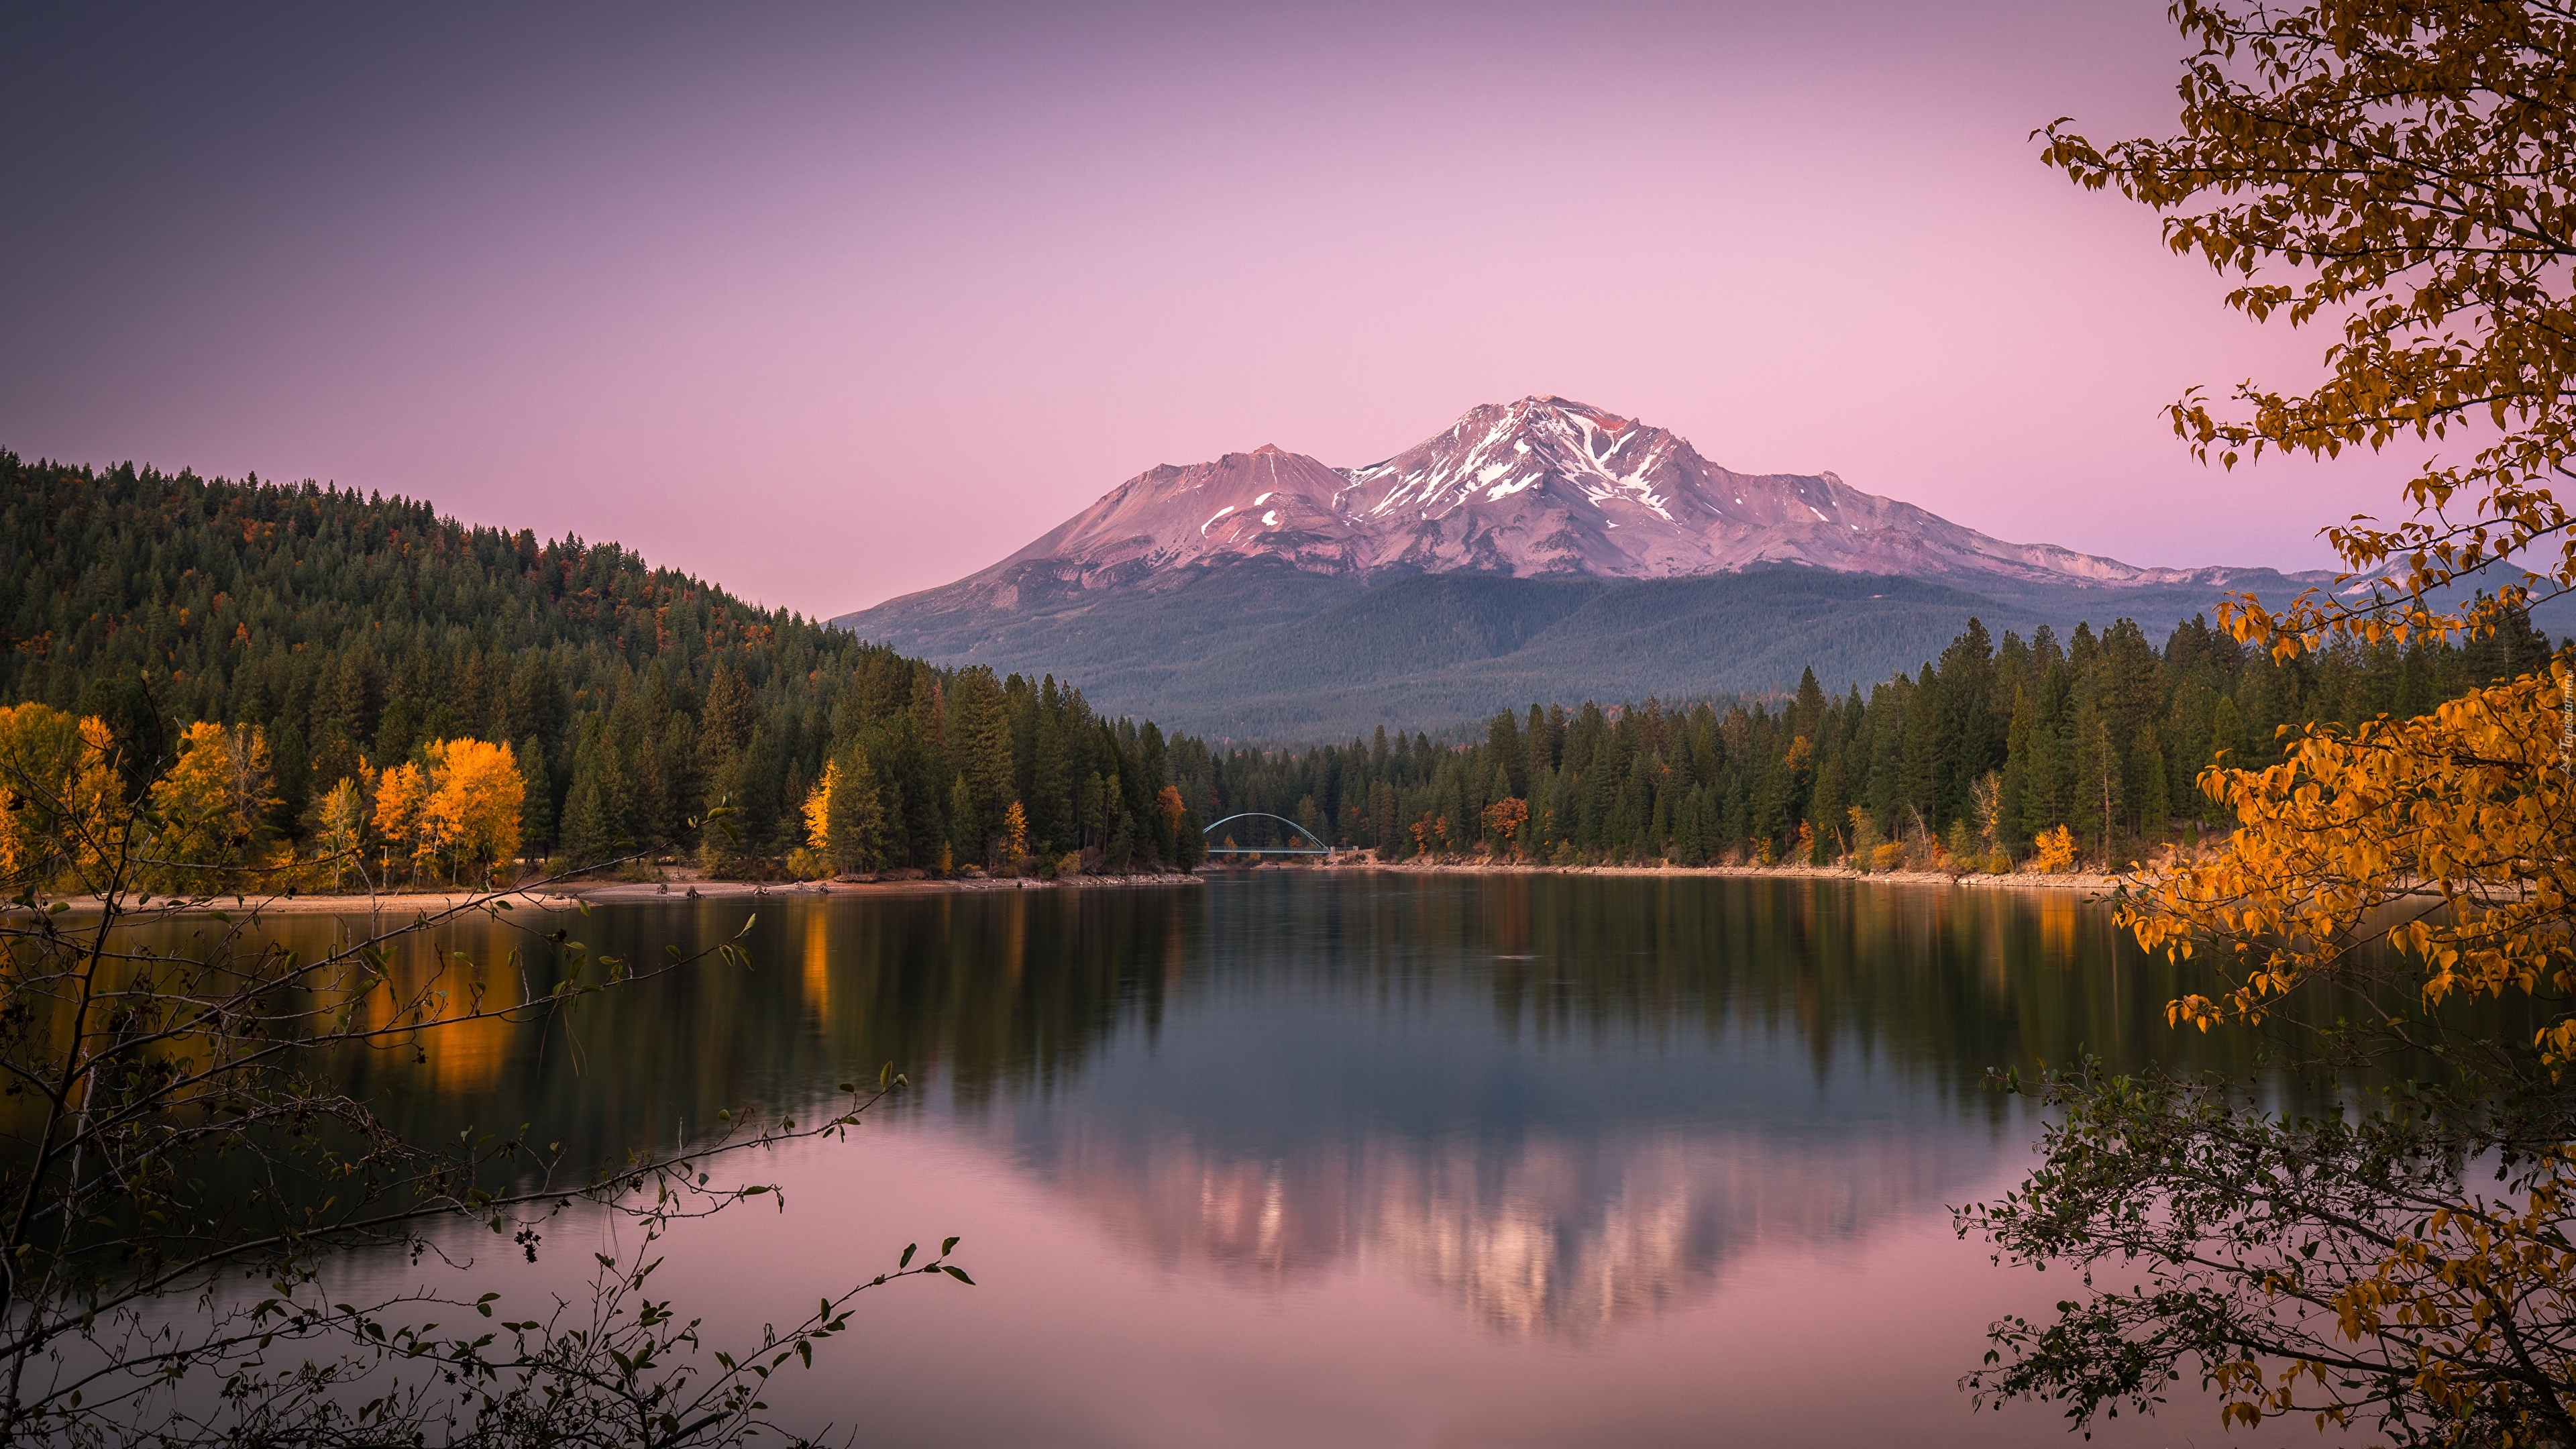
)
(1542, 487)
(1216, 595)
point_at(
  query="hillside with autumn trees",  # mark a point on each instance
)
(351, 677)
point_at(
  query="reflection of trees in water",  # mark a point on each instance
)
(1952, 979)
(980, 994)
(1000, 994)
(1199, 1066)
(1811, 1048)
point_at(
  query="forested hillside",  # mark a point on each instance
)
(343, 635)
(1259, 651)
(349, 639)
(1973, 758)
(1262, 653)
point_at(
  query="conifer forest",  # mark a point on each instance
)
(366, 671)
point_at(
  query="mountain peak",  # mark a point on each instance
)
(1544, 486)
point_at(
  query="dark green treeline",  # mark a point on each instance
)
(351, 626)
(1979, 753)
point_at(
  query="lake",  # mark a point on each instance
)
(1365, 1159)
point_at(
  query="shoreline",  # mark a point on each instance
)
(2088, 882)
(571, 896)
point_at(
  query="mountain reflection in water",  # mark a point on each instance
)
(1560, 1109)
(1552, 1233)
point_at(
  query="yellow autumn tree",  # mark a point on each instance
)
(818, 807)
(470, 816)
(338, 844)
(2451, 837)
(452, 814)
(1015, 835)
(210, 809)
(2408, 1262)
(845, 815)
(58, 790)
(101, 815)
(402, 802)
(813, 860)
(39, 750)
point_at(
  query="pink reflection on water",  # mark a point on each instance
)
(1547, 1235)
(1096, 1323)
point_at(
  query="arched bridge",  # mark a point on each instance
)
(1318, 848)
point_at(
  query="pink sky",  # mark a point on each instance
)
(830, 306)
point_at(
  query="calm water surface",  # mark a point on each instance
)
(1295, 1160)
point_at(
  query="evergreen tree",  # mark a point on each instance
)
(537, 806)
(854, 815)
(965, 827)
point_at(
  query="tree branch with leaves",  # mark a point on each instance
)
(2401, 173)
(2396, 171)
(171, 1129)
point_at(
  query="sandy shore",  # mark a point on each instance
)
(2086, 883)
(569, 897)
(572, 896)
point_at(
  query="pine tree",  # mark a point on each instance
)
(537, 808)
(727, 715)
(965, 822)
(1810, 706)
(2154, 802)
(587, 836)
(1503, 745)
(594, 823)
(1050, 797)
(854, 815)
(980, 742)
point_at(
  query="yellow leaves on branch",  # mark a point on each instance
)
(2451, 836)
(2406, 164)
(2468, 1287)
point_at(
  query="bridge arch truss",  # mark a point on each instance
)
(1318, 847)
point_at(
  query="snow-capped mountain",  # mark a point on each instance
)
(1543, 487)
(1543, 549)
